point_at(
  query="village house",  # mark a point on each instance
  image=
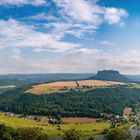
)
(9, 114)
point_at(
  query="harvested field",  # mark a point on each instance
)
(53, 87)
(115, 83)
(70, 85)
(93, 83)
(61, 84)
(78, 120)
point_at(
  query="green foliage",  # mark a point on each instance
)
(7, 133)
(29, 133)
(106, 131)
(71, 135)
(118, 134)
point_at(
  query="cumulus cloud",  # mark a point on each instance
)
(17, 34)
(80, 17)
(90, 12)
(76, 18)
(79, 10)
(114, 15)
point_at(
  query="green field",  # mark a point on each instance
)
(52, 130)
(137, 86)
(84, 128)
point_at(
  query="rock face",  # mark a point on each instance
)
(110, 75)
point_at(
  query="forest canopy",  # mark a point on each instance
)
(73, 104)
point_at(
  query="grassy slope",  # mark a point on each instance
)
(86, 128)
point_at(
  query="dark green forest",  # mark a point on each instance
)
(81, 104)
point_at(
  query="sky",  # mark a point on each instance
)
(69, 36)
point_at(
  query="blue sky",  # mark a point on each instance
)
(80, 36)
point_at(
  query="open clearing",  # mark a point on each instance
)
(70, 85)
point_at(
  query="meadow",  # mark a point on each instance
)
(94, 128)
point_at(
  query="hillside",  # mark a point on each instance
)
(90, 103)
(110, 75)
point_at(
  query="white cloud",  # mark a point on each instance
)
(64, 28)
(22, 2)
(42, 16)
(80, 17)
(79, 10)
(107, 43)
(90, 12)
(88, 53)
(114, 15)
(17, 34)
(77, 17)
(78, 60)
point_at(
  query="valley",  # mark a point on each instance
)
(92, 107)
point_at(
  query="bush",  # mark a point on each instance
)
(118, 134)
(6, 133)
(71, 135)
(29, 133)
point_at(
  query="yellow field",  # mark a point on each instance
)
(61, 84)
(69, 85)
(93, 83)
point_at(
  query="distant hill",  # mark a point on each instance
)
(21, 79)
(135, 78)
(110, 75)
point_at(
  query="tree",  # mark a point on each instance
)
(29, 133)
(71, 135)
(6, 133)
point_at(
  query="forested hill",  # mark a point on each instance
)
(81, 104)
(110, 75)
